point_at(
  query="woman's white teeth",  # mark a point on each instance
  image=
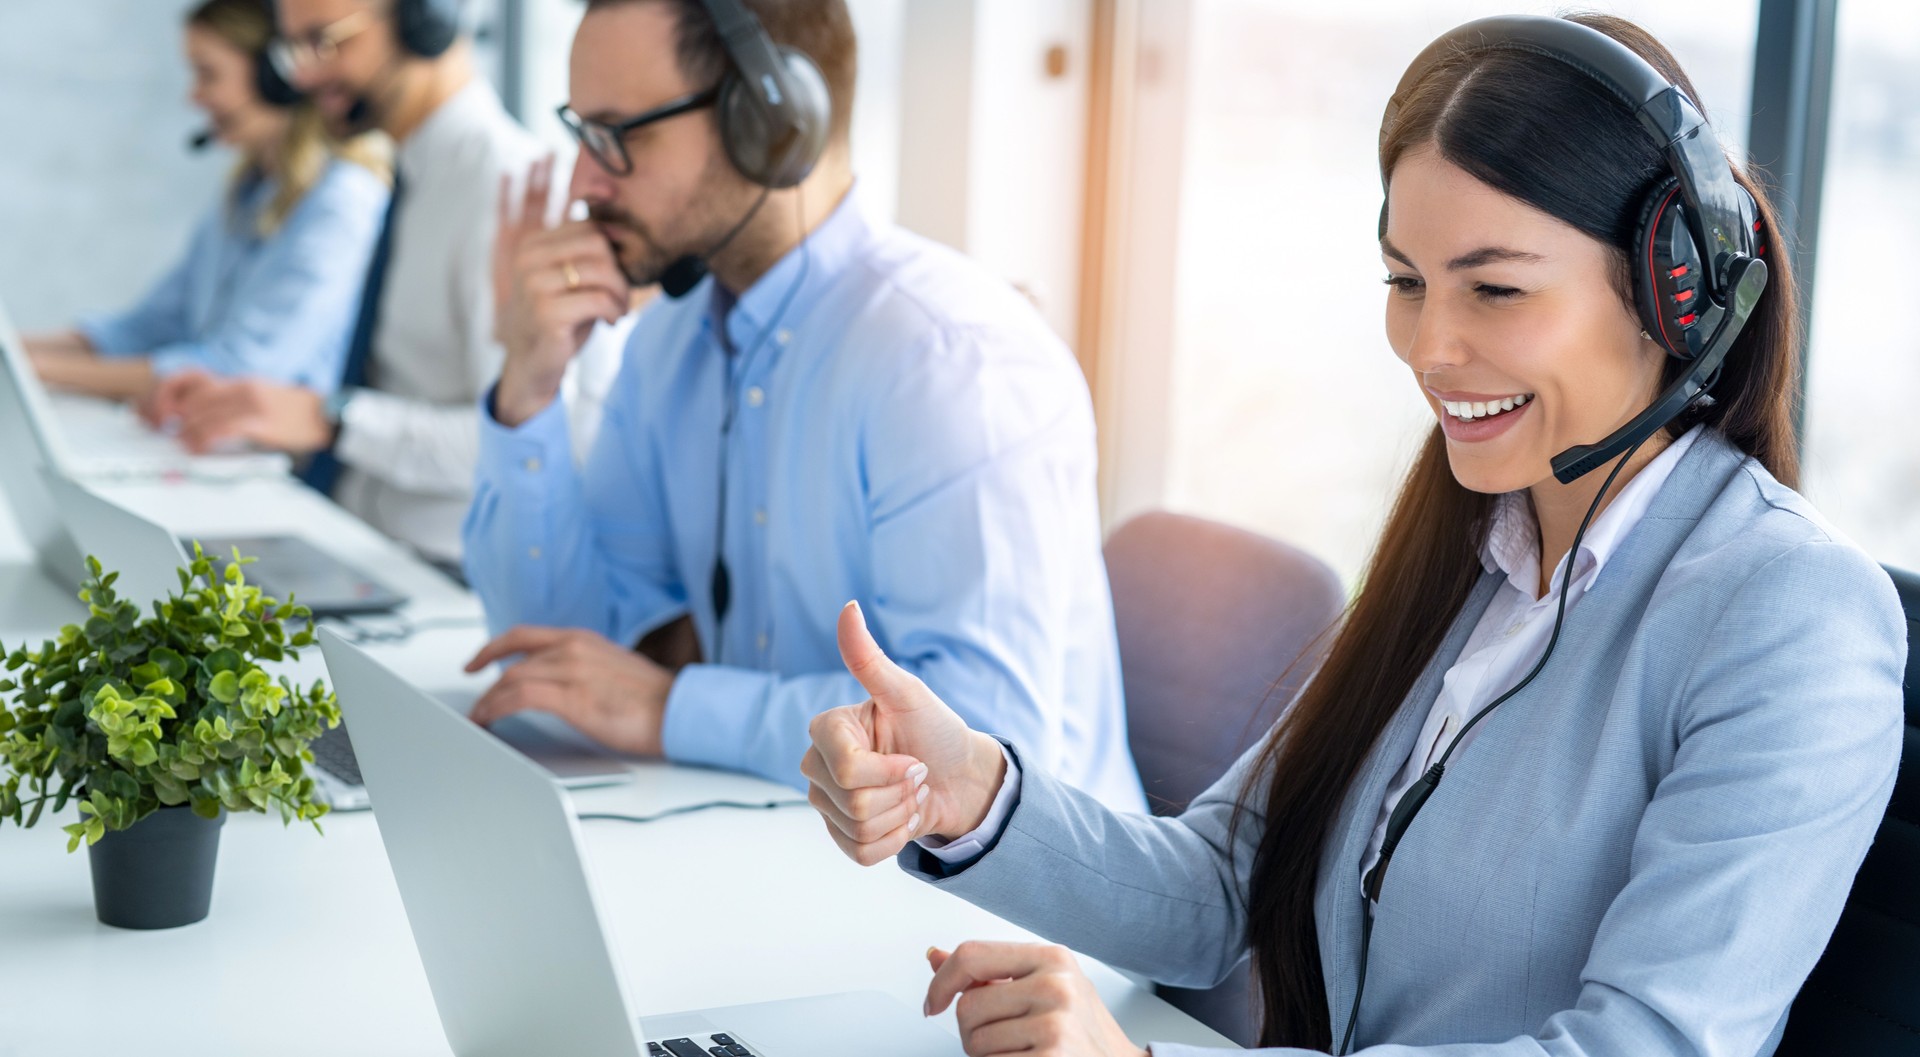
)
(1472, 409)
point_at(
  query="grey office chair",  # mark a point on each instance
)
(1863, 999)
(1209, 617)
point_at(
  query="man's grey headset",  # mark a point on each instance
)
(1697, 277)
(774, 110)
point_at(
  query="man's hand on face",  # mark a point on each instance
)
(551, 285)
(217, 413)
(613, 695)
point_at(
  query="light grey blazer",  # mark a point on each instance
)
(1642, 854)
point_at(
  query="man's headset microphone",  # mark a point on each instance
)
(774, 114)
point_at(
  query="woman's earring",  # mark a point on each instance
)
(1646, 335)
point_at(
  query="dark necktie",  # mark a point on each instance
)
(323, 470)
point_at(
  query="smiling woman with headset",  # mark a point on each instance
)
(271, 279)
(1623, 797)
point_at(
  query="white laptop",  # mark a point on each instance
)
(146, 556)
(520, 965)
(287, 564)
(43, 569)
(104, 439)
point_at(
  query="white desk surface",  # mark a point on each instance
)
(307, 949)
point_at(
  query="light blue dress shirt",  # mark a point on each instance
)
(905, 431)
(280, 308)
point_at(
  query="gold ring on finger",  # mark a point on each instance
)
(572, 275)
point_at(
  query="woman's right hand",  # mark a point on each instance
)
(898, 765)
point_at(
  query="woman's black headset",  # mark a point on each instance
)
(272, 88)
(1697, 277)
(269, 84)
(1697, 272)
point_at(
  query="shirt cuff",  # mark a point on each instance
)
(512, 458)
(107, 335)
(971, 846)
(176, 358)
(708, 713)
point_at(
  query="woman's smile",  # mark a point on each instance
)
(1474, 417)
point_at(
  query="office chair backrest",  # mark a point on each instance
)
(1209, 617)
(1863, 998)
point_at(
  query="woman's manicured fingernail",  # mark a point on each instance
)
(921, 796)
(926, 1008)
(929, 955)
(917, 774)
(913, 825)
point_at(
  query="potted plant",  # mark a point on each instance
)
(157, 725)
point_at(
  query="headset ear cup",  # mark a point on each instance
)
(813, 110)
(743, 129)
(269, 83)
(426, 28)
(272, 88)
(776, 157)
(1663, 245)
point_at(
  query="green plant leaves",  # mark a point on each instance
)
(134, 712)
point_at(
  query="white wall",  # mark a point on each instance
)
(97, 188)
(993, 156)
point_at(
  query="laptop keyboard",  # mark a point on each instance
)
(716, 1046)
(333, 753)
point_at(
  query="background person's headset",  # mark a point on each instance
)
(268, 83)
(1697, 277)
(426, 28)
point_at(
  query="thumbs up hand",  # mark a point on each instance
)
(899, 765)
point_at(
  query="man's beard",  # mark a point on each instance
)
(654, 259)
(644, 271)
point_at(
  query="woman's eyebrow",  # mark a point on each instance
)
(1474, 259)
(1492, 255)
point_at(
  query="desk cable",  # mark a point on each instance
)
(362, 631)
(736, 805)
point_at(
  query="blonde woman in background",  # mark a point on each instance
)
(270, 284)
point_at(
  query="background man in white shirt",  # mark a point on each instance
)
(397, 444)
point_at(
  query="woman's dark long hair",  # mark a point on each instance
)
(1538, 131)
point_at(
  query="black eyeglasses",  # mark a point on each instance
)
(607, 141)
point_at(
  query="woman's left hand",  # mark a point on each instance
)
(1025, 998)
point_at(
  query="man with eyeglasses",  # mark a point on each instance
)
(397, 443)
(841, 410)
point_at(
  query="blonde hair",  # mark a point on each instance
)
(306, 148)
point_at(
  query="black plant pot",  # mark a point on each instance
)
(157, 873)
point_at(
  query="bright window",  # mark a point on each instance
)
(1862, 435)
